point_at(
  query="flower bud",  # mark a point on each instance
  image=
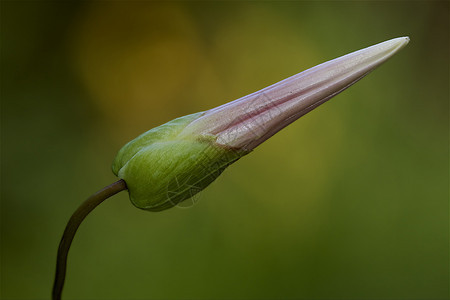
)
(171, 163)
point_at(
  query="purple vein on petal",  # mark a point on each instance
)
(248, 121)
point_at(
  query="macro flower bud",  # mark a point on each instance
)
(176, 160)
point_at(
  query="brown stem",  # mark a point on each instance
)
(71, 228)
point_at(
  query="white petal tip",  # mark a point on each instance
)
(400, 42)
(403, 40)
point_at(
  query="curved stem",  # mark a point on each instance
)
(71, 228)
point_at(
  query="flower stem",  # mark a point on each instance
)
(71, 228)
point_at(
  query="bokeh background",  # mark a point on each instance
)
(349, 202)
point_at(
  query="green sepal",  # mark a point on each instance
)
(162, 169)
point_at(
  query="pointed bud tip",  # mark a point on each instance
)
(402, 41)
(397, 43)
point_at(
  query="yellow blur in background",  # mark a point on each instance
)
(349, 202)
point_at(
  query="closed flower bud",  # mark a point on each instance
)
(174, 161)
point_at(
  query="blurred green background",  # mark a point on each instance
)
(349, 202)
